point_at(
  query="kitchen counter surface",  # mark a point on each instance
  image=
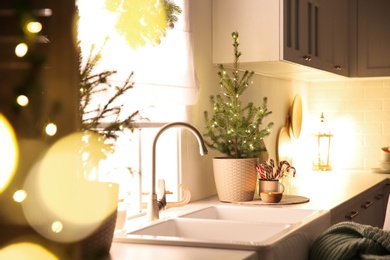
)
(326, 191)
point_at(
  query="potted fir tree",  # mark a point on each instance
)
(236, 131)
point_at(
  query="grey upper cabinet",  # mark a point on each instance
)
(297, 25)
(371, 39)
(307, 32)
(334, 37)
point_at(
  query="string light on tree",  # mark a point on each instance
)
(21, 49)
(51, 129)
(34, 27)
(31, 106)
(19, 195)
(22, 100)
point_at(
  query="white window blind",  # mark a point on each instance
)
(163, 74)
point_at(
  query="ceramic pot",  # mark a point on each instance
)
(83, 224)
(235, 178)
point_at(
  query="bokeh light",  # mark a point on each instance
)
(62, 205)
(22, 100)
(34, 27)
(57, 226)
(26, 251)
(21, 49)
(20, 195)
(51, 129)
(9, 153)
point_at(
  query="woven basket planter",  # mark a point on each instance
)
(235, 179)
(81, 238)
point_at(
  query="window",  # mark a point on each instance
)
(165, 82)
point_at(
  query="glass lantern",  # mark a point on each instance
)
(321, 159)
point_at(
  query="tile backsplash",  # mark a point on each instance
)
(358, 113)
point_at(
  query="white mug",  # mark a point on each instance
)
(270, 186)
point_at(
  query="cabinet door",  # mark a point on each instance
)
(301, 18)
(295, 31)
(333, 36)
(373, 38)
(377, 213)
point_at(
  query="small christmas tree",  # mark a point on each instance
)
(234, 130)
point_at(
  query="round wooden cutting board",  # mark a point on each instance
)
(296, 116)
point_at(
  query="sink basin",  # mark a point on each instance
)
(272, 232)
(251, 214)
(213, 231)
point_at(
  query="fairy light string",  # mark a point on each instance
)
(30, 59)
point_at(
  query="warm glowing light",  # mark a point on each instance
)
(73, 206)
(26, 251)
(46, 12)
(21, 50)
(51, 129)
(345, 149)
(20, 195)
(8, 152)
(34, 27)
(22, 100)
(57, 227)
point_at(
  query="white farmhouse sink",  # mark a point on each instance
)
(213, 231)
(253, 214)
(272, 232)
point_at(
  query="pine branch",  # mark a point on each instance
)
(93, 84)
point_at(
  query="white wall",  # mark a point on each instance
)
(358, 113)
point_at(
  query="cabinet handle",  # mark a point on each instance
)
(367, 205)
(306, 57)
(337, 67)
(352, 215)
(379, 197)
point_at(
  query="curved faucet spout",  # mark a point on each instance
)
(153, 211)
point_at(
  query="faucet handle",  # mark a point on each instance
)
(161, 189)
(184, 201)
(161, 194)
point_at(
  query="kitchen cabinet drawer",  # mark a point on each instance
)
(368, 209)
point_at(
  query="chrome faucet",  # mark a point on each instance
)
(154, 206)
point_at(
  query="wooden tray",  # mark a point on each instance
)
(286, 200)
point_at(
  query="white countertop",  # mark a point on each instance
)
(326, 191)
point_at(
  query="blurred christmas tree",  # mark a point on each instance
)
(92, 83)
